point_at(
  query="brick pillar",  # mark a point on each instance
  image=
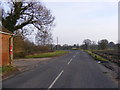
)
(11, 49)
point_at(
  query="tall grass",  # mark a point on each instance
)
(96, 57)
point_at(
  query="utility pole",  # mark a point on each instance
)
(57, 43)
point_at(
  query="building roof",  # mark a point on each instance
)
(5, 31)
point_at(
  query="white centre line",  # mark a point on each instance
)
(74, 55)
(55, 80)
(69, 61)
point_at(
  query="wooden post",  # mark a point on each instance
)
(57, 43)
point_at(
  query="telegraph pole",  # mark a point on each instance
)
(57, 43)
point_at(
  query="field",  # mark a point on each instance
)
(111, 55)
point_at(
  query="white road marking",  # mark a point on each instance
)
(55, 80)
(74, 55)
(69, 61)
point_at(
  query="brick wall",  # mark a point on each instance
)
(5, 49)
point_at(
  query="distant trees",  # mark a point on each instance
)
(93, 45)
(65, 46)
(111, 45)
(103, 44)
(87, 43)
(118, 47)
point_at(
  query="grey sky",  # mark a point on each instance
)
(76, 21)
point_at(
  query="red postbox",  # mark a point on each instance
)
(11, 50)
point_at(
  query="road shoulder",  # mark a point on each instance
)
(23, 65)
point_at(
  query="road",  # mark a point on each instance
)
(74, 70)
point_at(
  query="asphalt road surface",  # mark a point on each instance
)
(74, 70)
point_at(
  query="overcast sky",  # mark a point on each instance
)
(76, 21)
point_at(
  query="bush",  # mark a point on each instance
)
(25, 47)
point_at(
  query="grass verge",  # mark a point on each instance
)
(7, 69)
(96, 57)
(49, 54)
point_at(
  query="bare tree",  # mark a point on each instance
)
(87, 43)
(26, 13)
(44, 38)
(93, 45)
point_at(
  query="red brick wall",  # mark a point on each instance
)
(5, 49)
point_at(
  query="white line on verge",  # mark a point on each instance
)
(55, 80)
(69, 61)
